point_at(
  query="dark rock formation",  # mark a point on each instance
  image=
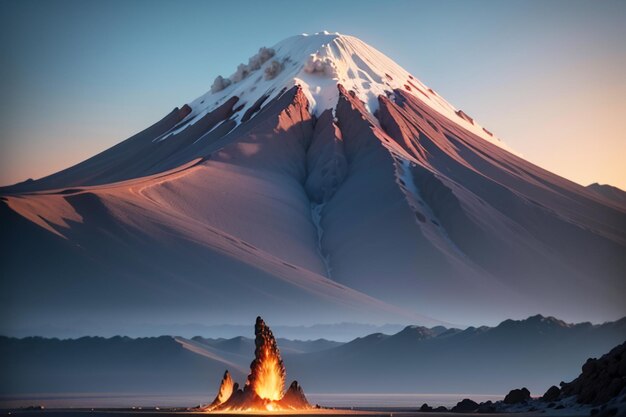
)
(242, 399)
(266, 347)
(601, 379)
(551, 394)
(425, 408)
(516, 396)
(227, 386)
(294, 398)
(464, 116)
(465, 406)
(486, 407)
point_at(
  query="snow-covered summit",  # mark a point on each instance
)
(318, 63)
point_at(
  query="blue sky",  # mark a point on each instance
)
(547, 77)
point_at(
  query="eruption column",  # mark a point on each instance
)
(267, 372)
(265, 386)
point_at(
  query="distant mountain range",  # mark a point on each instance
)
(536, 353)
(342, 332)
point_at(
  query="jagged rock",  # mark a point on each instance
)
(266, 348)
(242, 399)
(551, 394)
(464, 116)
(264, 389)
(440, 409)
(425, 408)
(465, 406)
(227, 387)
(516, 396)
(486, 407)
(294, 397)
(601, 379)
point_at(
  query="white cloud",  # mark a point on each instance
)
(219, 84)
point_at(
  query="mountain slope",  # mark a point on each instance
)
(95, 364)
(321, 180)
(614, 194)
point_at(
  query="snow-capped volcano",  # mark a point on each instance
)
(320, 182)
(318, 63)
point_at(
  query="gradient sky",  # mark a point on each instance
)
(549, 78)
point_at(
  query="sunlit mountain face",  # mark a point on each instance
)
(320, 182)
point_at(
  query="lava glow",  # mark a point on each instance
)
(265, 387)
(267, 372)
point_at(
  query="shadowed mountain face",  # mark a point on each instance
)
(383, 206)
(537, 352)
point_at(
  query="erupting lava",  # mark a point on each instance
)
(265, 386)
(267, 372)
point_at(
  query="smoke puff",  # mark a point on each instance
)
(254, 63)
(264, 54)
(242, 72)
(273, 69)
(219, 84)
(320, 65)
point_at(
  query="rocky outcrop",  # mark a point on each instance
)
(227, 386)
(486, 407)
(516, 396)
(465, 406)
(551, 394)
(601, 379)
(396, 124)
(294, 398)
(425, 408)
(600, 390)
(255, 108)
(464, 116)
(242, 399)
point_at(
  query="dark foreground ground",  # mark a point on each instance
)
(387, 412)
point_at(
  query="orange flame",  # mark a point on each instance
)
(226, 389)
(265, 386)
(267, 372)
(270, 381)
(227, 386)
